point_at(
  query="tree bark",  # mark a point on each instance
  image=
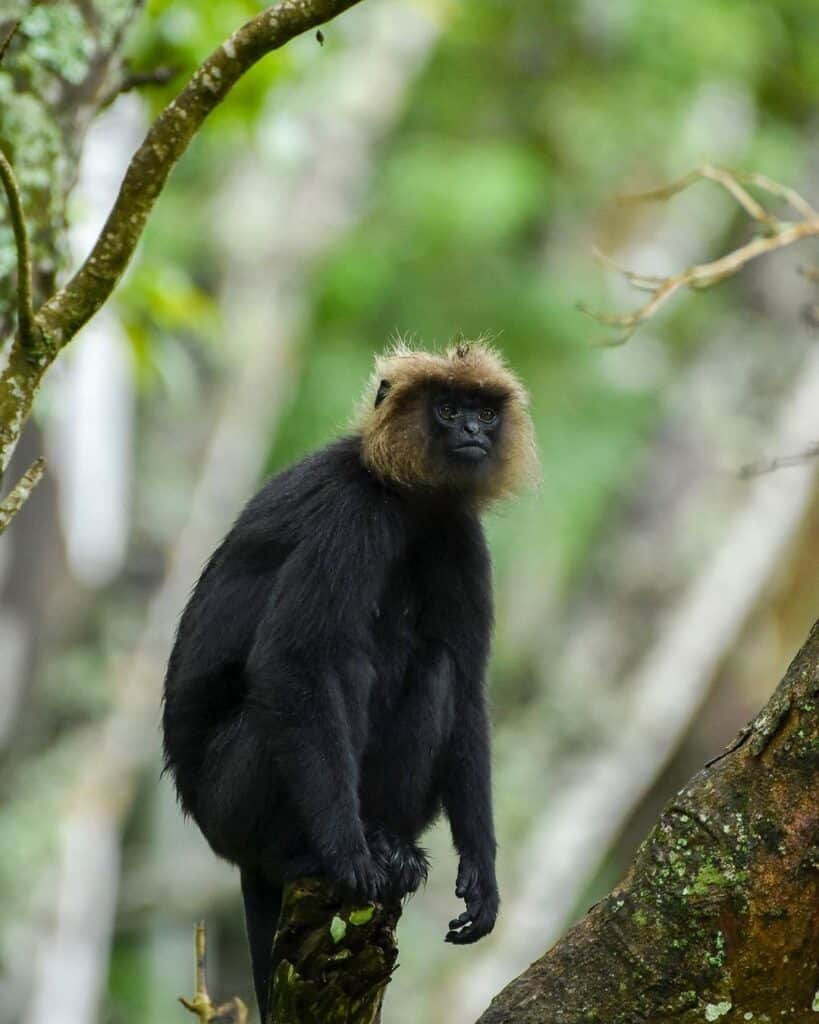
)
(332, 960)
(718, 918)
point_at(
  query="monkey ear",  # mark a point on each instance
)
(383, 388)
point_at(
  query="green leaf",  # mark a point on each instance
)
(338, 929)
(362, 916)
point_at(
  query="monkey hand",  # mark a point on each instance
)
(405, 864)
(477, 886)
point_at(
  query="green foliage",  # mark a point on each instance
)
(58, 39)
(528, 119)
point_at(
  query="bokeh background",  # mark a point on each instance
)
(432, 168)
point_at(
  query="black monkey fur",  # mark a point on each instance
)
(324, 700)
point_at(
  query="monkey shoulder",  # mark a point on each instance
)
(327, 503)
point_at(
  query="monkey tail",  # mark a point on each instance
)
(263, 904)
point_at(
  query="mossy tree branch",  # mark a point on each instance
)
(62, 315)
(718, 918)
(332, 959)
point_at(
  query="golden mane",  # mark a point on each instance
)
(392, 417)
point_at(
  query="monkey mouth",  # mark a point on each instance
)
(472, 450)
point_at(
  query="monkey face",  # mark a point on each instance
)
(465, 427)
(456, 422)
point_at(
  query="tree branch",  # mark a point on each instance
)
(25, 309)
(719, 914)
(4, 45)
(66, 312)
(136, 79)
(332, 960)
(20, 492)
(232, 1012)
(778, 234)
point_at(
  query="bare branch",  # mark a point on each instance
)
(778, 234)
(753, 469)
(234, 1011)
(19, 494)
(25, 308)
(66, 312)
(726, 179)
(135, 80)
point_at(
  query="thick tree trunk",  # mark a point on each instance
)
(718, 918)
(332, 959)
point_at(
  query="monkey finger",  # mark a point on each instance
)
(460, 920)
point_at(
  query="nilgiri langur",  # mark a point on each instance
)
(324, 700)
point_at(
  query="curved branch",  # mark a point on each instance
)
(778, 234)
(66, 312)
(25, 309)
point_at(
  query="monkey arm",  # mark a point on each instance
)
(467, 798)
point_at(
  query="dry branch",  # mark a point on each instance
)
(778, 234)
(719, 915)
(233, 1011)
(780, 462)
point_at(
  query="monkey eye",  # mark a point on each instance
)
(488, 415)
(447, 411)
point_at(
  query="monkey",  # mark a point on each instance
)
(325, 698)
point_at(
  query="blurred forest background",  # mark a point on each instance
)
(433, 167)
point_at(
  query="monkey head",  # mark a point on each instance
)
(457, 421)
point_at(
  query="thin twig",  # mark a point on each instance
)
(201, 1004)
(19, 494)
(4, 45)
(707, 172)
(790, 195)
(136, 79)
(779, 234)
(25, 307)
(753, 469)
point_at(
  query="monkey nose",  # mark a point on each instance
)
(471, 427)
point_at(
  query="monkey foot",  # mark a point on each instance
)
(405, 864)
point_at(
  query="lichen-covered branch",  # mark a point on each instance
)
(332, 959)
(20, 492)
(718, 918)
(778, 234)
(25, 310)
